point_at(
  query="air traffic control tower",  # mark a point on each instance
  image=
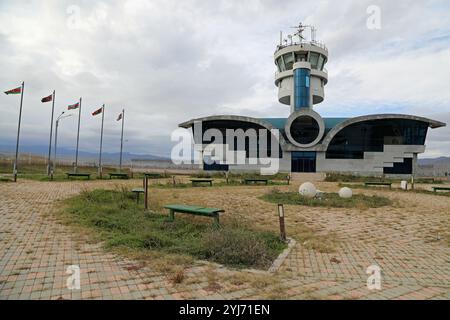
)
(372, 144)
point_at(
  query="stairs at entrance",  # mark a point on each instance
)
(307, 176)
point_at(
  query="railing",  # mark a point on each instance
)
(313, 43)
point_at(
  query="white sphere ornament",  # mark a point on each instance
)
(307, 190)
(345, 193)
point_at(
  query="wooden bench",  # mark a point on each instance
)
(197, 181)
(88, 175)
(153, 175)
(195, 210)
(388, 184)
(255, 181)
(118, 175)
(137, 192)
(436, 189)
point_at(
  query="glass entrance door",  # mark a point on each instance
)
(303, 161)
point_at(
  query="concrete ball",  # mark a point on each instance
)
(307, 190)
(345, 193)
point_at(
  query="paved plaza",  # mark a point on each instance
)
(406, 241)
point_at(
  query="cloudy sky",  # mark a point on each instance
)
(169, 61)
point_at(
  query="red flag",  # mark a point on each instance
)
(47, 99)
(120, 117)
(14, 91)
(73, 106)
(96, 112)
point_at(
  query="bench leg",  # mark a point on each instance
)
(171, 214)
(216, 221)
(137, 197)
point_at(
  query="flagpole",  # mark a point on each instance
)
(78, 138)
(121, 141)
(101, 143)
(18, 133)
(49, 165)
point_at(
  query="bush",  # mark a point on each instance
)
(239, 247)
(327, 200)
(121, 223)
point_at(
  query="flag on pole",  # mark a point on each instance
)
(47, 99)
(120, 117)
(14, 91)
(98, 111)
(73, 106)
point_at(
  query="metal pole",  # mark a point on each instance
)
(18, 134)
(49, 164)
(145, 192)
(56, 144)
(78, 138)
(121, 141)
(101, 143)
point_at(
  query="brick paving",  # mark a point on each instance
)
(36, 249)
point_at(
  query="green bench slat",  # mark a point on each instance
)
(380, 183)
(441, 188)
(88, 175)
(141, 190)
(193, 209)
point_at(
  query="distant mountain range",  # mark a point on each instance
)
(67, 153)
(113, 157)
(441, 161)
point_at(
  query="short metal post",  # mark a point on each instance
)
(282, 226)
(173, 180)
(146, 192)
(288, 178)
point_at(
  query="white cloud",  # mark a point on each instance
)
(169, 61)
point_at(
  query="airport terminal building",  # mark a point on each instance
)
(367, 145)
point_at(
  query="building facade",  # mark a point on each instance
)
(307, 142)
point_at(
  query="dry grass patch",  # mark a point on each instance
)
(328, 200)
(122, 224)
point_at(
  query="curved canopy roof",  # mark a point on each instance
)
(333, 125)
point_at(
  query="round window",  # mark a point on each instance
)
(304, 129)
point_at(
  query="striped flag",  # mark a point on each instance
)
(98, 111)
(120, 117)
(47, 99)
(14, 91)
(73, 106)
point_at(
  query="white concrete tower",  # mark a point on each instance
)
(301, 75)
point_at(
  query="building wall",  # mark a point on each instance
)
(373, 162)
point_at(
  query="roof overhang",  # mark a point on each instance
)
(265, 124)
(431, 123)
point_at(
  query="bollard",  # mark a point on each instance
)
(282, 226)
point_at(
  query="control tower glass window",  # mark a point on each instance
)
(314, 59)
(304, 129)
(280, 64)
(289, 61)
(299, 57)
(321, 62)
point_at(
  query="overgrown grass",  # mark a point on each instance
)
(421, 191)
(327, 200)
(339, 177)
(240, 176)
(121, 223)
(38, 172)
